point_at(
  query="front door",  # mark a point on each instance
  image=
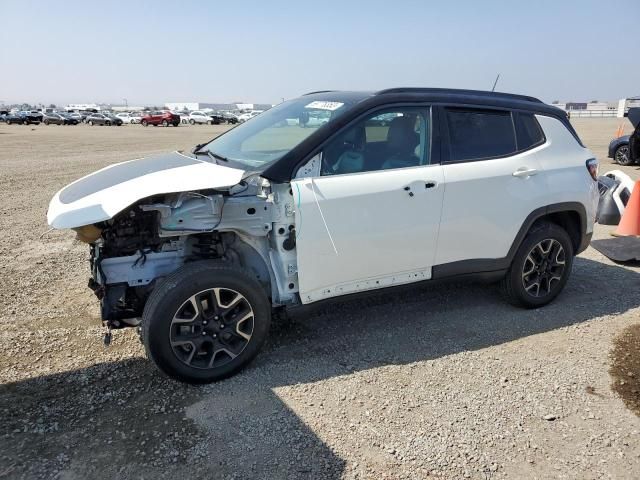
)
(370, 217)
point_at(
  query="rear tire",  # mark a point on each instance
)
(165, 123)
(192, 121)
(144, 123)
(188, 327)
(622, 156)
(540, 268)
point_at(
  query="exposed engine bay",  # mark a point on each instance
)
(250, 224)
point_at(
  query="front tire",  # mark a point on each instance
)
(144, 123)
(205, 322)
(90, 122)
(540, 268)
(165, 123)
(622, 156)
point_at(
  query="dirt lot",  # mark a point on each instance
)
(446, 381)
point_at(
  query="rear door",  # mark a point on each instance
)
(493, 181)
(369, 217)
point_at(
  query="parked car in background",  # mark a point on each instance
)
(229, 117)
(25, 118)
(69, 120)
(200, 250)
(216, 118)
(130, 118)
(619, 148)
(205, 118)
(112, 118)
(199, 117)
(85, 114)
(103, 119)
(249, 115)
(52, 118)
(76, 116)
(13, 118)
(3, 114)
(164, 118)
(34, 116)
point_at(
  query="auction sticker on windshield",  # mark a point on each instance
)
(324, 105)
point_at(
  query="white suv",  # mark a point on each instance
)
(398, 186)
(200, 118)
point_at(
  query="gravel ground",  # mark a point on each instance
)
(446, 381)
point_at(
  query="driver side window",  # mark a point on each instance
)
(386, 139)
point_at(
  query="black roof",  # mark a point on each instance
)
(436, 95)
(459, 92)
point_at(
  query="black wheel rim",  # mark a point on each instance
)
(543, 268)
(211, 328)
(622, 155)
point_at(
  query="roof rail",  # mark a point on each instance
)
(455, 91)
(319, 91)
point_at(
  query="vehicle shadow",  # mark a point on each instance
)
(124, 420)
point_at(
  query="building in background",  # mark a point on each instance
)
(594, 108)
(83, 106)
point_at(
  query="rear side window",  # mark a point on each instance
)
(479, 134)
(528, 131)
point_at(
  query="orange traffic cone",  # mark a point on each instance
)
(630, 222)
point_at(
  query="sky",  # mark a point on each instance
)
(152, 52)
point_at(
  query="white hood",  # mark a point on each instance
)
(101, 195)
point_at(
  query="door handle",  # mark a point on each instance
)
(524, 172)
(427, 184)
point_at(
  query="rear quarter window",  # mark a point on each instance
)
(479, 134)
(528, 131)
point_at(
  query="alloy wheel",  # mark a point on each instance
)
(543, 267)
(211, 328)
(622, 155)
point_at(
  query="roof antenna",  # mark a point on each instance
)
(495, 83)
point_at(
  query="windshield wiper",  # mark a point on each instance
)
(213, 156)
(216, 156)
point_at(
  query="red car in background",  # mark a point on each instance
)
(160, 118)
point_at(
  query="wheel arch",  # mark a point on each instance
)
(248, 257)
(571, 216)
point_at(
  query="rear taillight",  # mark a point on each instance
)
(592, 166)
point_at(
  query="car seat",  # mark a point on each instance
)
(402, 141)
(352, 158)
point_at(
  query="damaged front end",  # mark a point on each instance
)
(250, 223)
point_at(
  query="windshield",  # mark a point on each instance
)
(269, 135)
